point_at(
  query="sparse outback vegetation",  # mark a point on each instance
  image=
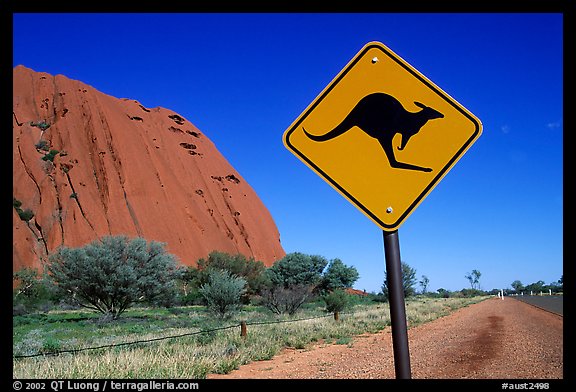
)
(193, 356)
(185, 322)
(111, 274)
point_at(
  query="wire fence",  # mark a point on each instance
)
(241, 325)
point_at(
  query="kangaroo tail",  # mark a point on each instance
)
(339, 130)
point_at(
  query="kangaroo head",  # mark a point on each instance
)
(423, 116)
(428, 112)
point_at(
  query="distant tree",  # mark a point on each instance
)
(237, 264)
(424, 283)
(189, 283)
(443, 293)
(336, 301)
(536, 287)
(469, 293)
(111, 274)
(291, 281)
(280, 299)
(408, 281)
(297, 269)
(555, 287)
(338, 276)
(474, 279)
(222, 292)
(517, 286)
(27, 282)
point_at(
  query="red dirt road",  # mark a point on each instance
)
(494, 339)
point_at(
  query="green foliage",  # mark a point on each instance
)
(469, 293)
(26, 282)
(517, 286)
(336, 301)
(291, 281)
(43, 125)
(424, 282)
(248, 269)
(50, 156)
(408, 281)
(189, 286)
(338, 276)
(474, 279)
(111, 274)
(16, 203)
(296, 269)
(280, 299)
(536, 286)
(222, 292)
(191, 357)
(42, 145)
(32, 292)
(26, 214)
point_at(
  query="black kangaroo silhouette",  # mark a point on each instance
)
(382, 116)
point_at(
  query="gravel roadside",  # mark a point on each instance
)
(493, 339)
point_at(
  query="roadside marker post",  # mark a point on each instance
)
(383, 136)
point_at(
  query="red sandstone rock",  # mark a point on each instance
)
(122, 168)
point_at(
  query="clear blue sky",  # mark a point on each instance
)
(243, 78)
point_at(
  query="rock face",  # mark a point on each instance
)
(88, 165)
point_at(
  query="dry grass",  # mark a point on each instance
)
(194, 357)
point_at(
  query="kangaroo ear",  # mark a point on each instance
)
(420, 105)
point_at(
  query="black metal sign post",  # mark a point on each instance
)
(397, 306)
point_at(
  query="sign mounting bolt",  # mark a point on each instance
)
(389, 210)
(374, 60)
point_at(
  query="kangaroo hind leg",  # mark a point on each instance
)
(387, 146)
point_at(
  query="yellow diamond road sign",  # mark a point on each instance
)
(382, 134)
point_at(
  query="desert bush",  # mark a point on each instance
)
(239, 265)
(111, 274)
(338, 276)
(223, 292)
(26, 214)
(336, 301)
(280, 299)
(50, 156)
(296, 269)
(42, 145)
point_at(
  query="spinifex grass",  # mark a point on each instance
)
(192, 356)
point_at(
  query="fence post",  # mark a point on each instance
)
(243, 329)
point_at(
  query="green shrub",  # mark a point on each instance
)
(42, 145)
(280, 299)
(336, 301)
(50, 156)
(26, 214)
(111, 274)
(43, 125)
(222, 293)
(239, 265)
(338, 276)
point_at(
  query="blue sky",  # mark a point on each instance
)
(243, 78)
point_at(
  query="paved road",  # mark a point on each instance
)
(554, 303)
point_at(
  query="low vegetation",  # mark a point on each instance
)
(124, 308)
(196, 355)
